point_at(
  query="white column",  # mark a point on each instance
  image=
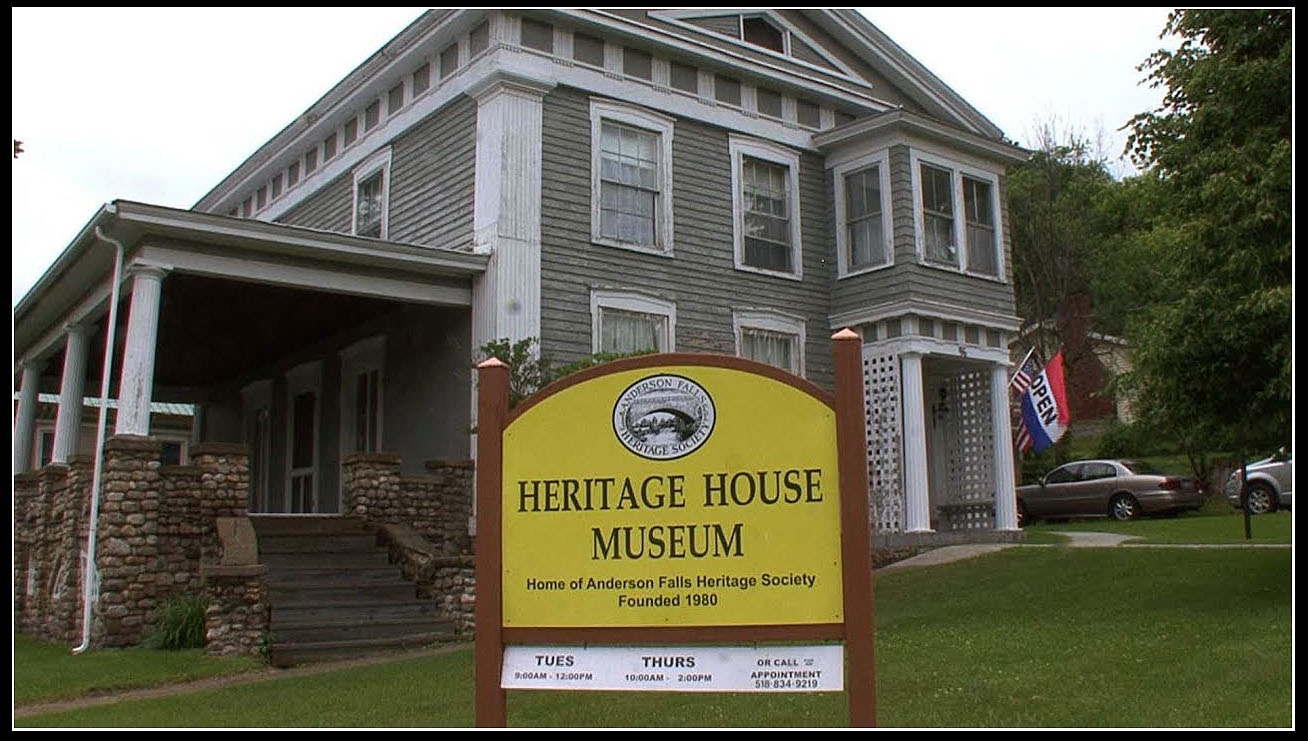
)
(1005, 483)
(506, 208)
(136, 383)
(25, 419)
(68, 419)
(917, 499)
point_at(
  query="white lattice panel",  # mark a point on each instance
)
(970, 486)
(884, 442)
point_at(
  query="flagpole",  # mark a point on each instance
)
(1020, 366)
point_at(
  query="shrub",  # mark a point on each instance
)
(179, 624)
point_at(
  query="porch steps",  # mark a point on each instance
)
(334, 595)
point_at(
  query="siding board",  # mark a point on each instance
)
(700, 277)
(433, 169)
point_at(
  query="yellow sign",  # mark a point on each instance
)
(672, 496)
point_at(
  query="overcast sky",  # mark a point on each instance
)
(159, 105)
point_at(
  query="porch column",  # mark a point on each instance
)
(1005, 486)
(916, 493)
(25, 419)
(136, 383)
(68, 419)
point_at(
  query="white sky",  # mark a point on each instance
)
(159, 105)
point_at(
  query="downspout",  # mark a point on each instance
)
(89, 587)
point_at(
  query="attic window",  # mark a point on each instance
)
(759, 32)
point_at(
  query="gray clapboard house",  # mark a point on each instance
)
(741, 182)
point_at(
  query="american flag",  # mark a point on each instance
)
(1020, 383)
(1025, 372)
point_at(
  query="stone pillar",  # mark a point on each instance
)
(136, 383)
(127, 547)
(1005, 481)
(25, 419)
(68, 420)
(916, 494)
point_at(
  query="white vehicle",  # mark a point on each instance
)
(1270, 483)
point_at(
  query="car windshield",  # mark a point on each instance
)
(1142, 468)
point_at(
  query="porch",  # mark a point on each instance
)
(940, 453)
(328, 374)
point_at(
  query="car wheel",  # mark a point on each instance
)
(1022, 518)
(1123, 508)
(1260, 499)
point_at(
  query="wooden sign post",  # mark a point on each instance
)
(673, 507)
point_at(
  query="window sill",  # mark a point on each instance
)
(965, 273)
(633, 247)
(865, 271)
(770, 273)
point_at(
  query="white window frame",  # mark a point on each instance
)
(957, 170)
(771, 320)
(880, 160)
(636, 303)
(602, 110)
(379, 161)
(258, 397)
(303, 378)
(742, 147)
(363, 356)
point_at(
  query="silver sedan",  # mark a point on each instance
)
(1120, 489)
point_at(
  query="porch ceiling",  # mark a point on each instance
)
(214, 332)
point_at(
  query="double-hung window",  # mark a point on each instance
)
(957, 216)
(862, 205)
(765, 190)
(771, 337)
(631, 177)
(372, 181)
(628, 322)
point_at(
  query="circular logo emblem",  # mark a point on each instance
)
(663, 417)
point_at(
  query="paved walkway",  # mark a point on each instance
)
(1075, 539)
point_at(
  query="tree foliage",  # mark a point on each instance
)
(1057, 224)
(1212, 349)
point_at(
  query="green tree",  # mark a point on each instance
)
(1212, 349)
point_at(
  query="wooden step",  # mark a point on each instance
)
(397, 590)
(290, 654)
(303, 612)
(279, 562)
(352, 630)
(317, 543)
(273, 525)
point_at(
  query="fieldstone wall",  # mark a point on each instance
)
(26, 492)
(236, 622)
(156, 525)
(436, 505)
(425, 521)
(449, 580)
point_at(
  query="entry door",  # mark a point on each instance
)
(304, 389)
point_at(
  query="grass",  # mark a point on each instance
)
(1039, 637)
(45, 672)
(1207, 527)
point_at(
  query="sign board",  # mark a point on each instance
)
(661, 509)
(676, 668)
(675, 495)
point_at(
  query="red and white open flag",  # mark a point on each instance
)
(1045, 414)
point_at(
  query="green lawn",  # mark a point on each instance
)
(45, 672)
(1027, 637)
